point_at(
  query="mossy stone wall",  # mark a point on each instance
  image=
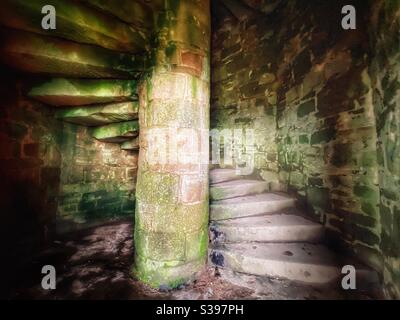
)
(326, 101)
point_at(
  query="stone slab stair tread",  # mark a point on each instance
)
(116, 132)
(144, 11)
(295, 261)
(130, 145)
(302, 262)
(62, 92)
(252, 205)
(237, 188)
(221, 175)
(275, 220)
(267, 228)
(40, 54)
(97, 115)
(110, 33)
(288, 252)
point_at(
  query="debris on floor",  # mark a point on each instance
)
(96, 264)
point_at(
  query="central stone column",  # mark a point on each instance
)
(171, 237)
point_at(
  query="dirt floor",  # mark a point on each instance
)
(96, 264)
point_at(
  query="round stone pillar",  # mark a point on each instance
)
(171, 219)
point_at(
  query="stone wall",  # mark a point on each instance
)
(244, 93)
(385, 74)
(326, 125)
(330, 118)
(97, 180)
(30, 166)
(56, 176)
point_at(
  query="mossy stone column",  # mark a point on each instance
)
(171, 219)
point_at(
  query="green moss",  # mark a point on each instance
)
(170, 49)
(323, 136)
(95, 115)
(194, 87)
(364, 192)
(369, 209)
(73, 20)
(74, 92)
(306, 108)
(165, 274)
(50, 55)
(116, 132)
(303, 139)
(157, 188)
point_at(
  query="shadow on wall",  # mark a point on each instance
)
(30, 164)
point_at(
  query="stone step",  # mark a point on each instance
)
(123, 9)
(250, 206)
(222, 175)
(237, 188)
(74, 92)
(36, 53)
(267, 228)
(117, 132)
(367, 286)
(97, 115)
(77, 22)
(302, 262)
(130, 145)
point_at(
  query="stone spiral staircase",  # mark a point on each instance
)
(257, 232)
(108, 107)
(89, 66)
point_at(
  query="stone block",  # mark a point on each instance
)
(160, 246)
(169, 274)
(35, 53)
(190, 33)
(185, 113)
(96, 115)
(31, 150)
(116, 132)
(303, 139)
(75, 22)
(193, 61)
(323, 136)
(319, 197)
(71, 92)
(130, 145)
(193, 188)
(171, 218)
(196, 245)
(131, 11)
(158, 188)
(306, 108)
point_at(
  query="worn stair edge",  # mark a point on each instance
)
(266, 228)
(130, 145)
(116, 132)
(301, 262)
(143, 12)
(223, 175)
(250, 206)
(76, 22)
(237, 188)
(97, 115)
(79, 92)
(34, 53)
